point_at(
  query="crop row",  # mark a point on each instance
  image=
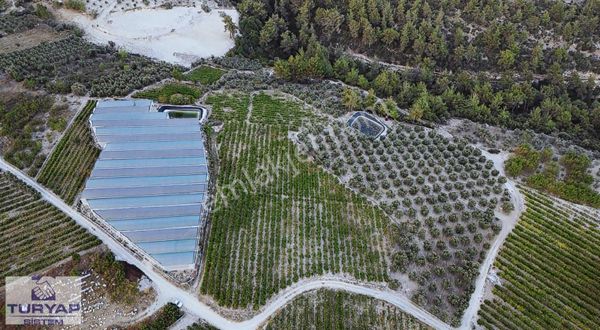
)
(34, 233)
(549, 267)
(277, 218)
(443, 194)
(72, 161)
(326, 309)
(75, 65)
(14, 23)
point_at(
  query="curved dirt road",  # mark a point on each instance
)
(166, 291)
(508, 224)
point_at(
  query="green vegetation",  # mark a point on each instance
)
(201, 325)
(25, 121)
(120, 289)
(436, 34)
(73, 158)
(42, 12)
(78, 5)
(21, 117)
(278, 218)
(172, 93)
(326, 309)
(544, 173)
(34, 233)
(449, 55)
(14, 23)
(229, 107)
(279, 112)
(442, 194)
(163, 319)
(57, 66)
(205, 75)
(549, 268)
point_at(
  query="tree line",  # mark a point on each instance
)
(458, 59)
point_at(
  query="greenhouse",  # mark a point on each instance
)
(150, 180)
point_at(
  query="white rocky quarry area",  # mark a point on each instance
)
(179, 35)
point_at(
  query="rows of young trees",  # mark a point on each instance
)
(442, 193)
(327, 309)
(34, 233)
(277, 218)
(18, 21)
(548, 267)
(73, 65)
(485, 70)
(73, 158)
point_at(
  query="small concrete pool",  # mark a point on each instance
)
(184, 111)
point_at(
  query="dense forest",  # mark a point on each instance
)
(520, 64)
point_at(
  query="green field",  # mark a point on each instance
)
(327, 309)
(205, 75)
(73, 159)
(173, 93)
(549, 270)
(278, 218)
(34, 233)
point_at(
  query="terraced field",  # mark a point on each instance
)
(549, 270)
(326, 309)
(73, 158)
(34, 234)
(278, 218)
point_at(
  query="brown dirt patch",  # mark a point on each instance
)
(28, 39)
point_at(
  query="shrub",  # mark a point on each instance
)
(78, 89)
(78, 5)
(180, 99)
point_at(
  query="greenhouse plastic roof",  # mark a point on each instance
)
(150, 180)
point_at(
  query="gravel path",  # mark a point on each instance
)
(166, 291)
(508, 224)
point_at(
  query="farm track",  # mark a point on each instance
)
(477, 297)
(34, 234)
(167, 291)
(66, 169)
(548, 270)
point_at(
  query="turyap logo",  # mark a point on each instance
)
(42, 291)
(43, 300)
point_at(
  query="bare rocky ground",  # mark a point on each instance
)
(178, 31)
(28, 39)
(95, 6)
(99, 312)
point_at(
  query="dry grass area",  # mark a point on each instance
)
(28, 39)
